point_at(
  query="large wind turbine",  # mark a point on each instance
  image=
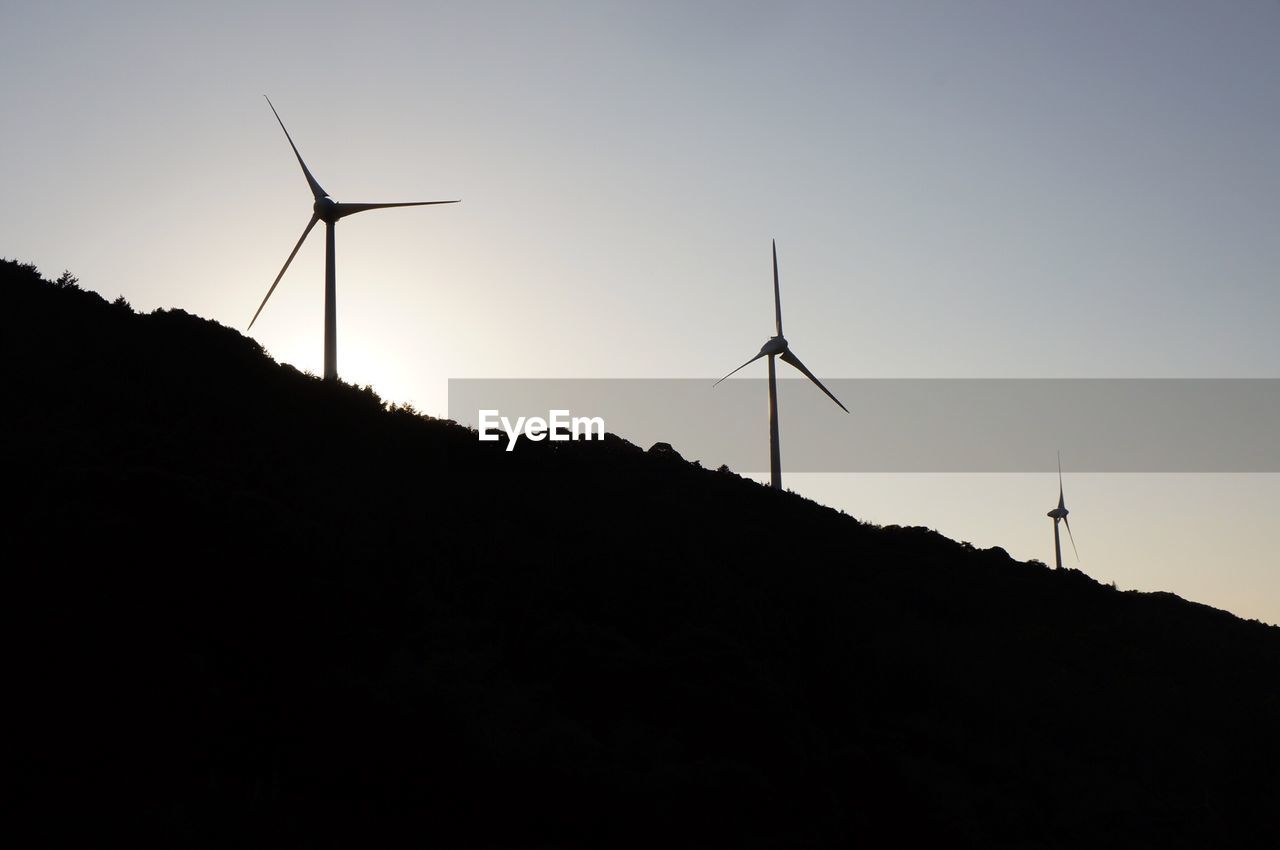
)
(1060, 514)
(777, 347)
(328, 210)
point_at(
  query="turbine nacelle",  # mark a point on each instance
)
(775, 345)
(1058, 513)
(326, 209)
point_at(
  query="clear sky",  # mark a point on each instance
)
(977, 189)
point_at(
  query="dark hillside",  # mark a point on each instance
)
(253, 609)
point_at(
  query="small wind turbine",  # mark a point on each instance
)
(329, 211)
(777, 347)
(1060, 513)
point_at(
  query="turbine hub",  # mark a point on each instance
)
(1058, 513)
(324, 208)
(776, 345)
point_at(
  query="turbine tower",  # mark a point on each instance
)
(777, 347)
(329, 211)
(1060, 514)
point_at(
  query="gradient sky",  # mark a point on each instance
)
(1013, 189)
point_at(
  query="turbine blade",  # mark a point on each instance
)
(316, 188)
(789, 357)
(1067, 523)
(777, 298)
(1061, 502)
(343, 210)
(310, 224)
(743, 366)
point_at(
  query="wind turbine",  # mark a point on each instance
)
(777, 347)
(1060, 514)
(328, 210)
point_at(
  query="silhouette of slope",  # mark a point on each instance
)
(255, 609)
